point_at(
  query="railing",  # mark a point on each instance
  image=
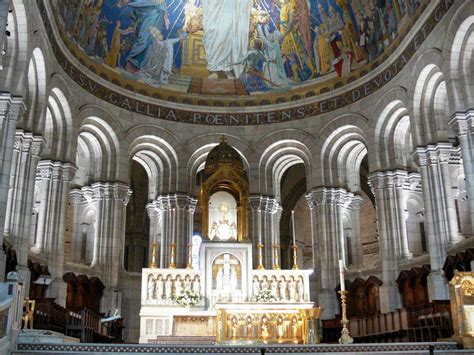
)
(81, 323)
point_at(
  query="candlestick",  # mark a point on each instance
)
(260, 257)
(276, 265)
(341, 275)
(293, 227)
(345, 335)
(153, 264)
(190, 256)
(295, 257)
(172, 264)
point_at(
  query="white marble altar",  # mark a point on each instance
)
(225, 276)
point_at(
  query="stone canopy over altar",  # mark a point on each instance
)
(223, 291)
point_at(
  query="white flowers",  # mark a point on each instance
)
(264, 296)
(188, 298)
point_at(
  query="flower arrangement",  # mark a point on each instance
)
(188, 298)
(265, 295)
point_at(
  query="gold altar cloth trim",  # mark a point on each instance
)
(273, 322)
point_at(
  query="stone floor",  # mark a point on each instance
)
(373, 349)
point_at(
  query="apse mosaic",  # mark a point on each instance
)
(236, 47)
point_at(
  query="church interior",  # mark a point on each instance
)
(255, 175)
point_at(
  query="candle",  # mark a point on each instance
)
(341, 275)
(293, 227)
(173, 226)
(259, 226)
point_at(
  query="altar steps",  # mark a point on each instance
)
(109, 349)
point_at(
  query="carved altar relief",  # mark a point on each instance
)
(285, 285)
(163, 285)
(227, 268)
(227, 278)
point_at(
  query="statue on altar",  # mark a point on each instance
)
(222, 224)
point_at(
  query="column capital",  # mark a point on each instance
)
(56, 170)
(329, 195)
(400, 179)
(434, 154)
(177, 200)
(462, 122)
(11, 107)
(107, 191)
(356, 203)
(153, 211)
(264, 203)
(27, 142)
(76, 197)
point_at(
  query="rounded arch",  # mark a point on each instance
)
(458, 48)
(36, 92)
(277, 153)
(342, 146)
(429, 104)
(59, 128)
(99, 140)
(152, 147)
(391, 142)
(13, 77)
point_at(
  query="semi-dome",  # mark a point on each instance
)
(256, 54)
(223, 154)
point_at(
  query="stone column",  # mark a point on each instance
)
(110, 200)
(354, 207)
(382, 184)
(327, 206)
(54, 178)
(156, 226)
(461, 124)
(26, 154)
(10, 110)
(275, 228)
(177, 214)
(440, 213)
(75, 197)
(4, 7)
(264, 212)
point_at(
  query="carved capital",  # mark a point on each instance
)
(75, 197)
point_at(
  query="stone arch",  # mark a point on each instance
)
(392, 143)
(36, 93)
(152, 147)
(458, 48)
(429, 105)
(342, 146)
(59, 128)
(277, 153)
(16, 57)
(99, 140)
